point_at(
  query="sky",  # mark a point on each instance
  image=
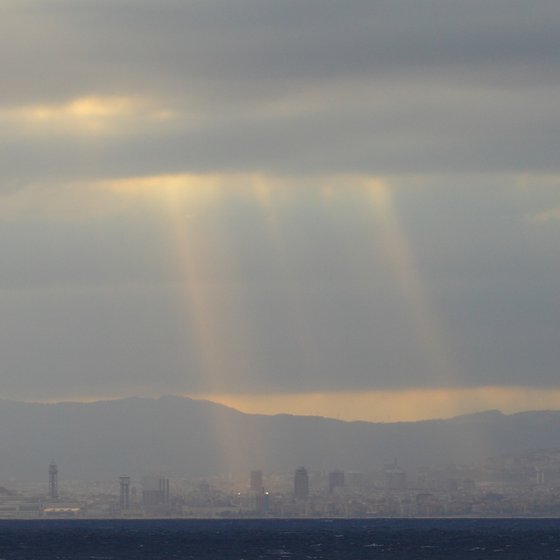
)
(346, 208)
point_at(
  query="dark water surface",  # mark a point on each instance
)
(280, 539)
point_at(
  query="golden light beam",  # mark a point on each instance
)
(210, 307)
(427, 329)
(262, 190)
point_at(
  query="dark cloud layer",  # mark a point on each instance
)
(285, 87)
(455, 104)
(268, 46)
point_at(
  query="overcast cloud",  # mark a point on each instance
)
(243, 251)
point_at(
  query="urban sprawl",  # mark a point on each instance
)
(511, 485)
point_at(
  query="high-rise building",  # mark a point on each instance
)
(336, 480)
(155, 490)
(164, 490)
(301, 484)
(53, 481)
(124, 498)
(256, 481)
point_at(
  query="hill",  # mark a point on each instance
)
(181, 436)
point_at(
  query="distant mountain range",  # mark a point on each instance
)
(184, 437)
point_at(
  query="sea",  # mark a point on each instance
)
(409, 539)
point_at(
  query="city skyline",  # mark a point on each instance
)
(349, 209)
(501, 486)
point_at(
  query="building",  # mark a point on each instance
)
(53, 481)
(124, 498)
(155, 491)
(336, 480)
(301, 484)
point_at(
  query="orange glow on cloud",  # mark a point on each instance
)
(398, 405)
(92, 114)
(394, 405)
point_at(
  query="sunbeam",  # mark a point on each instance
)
(423, 317)
(300, 326)
(206, 270)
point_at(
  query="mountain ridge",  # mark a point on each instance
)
(182, 436)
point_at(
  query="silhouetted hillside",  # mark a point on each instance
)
(182, 436)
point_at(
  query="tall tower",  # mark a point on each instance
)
(301, 484)
(163, 488)
(336, 480)
(124, 498)
(53, 481)
(155, 490)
